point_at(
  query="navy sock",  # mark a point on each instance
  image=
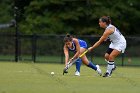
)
(91, 65)
(78, 65)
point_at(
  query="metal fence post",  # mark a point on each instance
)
(16, 35)
(34, 39)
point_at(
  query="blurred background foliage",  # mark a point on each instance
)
(79, 17)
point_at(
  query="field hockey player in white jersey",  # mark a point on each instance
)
(116, 47)
(77, 46)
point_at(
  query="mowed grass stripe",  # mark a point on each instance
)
(36, 78)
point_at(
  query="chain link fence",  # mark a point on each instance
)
(49, 49)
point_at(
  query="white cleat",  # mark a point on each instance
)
(99, 70)
(77, 73)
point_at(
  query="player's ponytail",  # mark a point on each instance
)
(106, 19)
(109, 19)
(68, 35)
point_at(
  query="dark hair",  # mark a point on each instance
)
(106, 19)
(68, 38)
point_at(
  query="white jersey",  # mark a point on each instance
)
(116, 36)
(118, 41)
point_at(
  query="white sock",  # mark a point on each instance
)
(110, 66)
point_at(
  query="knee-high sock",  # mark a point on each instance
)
(78, 65)
(91, 65)
(110, 66)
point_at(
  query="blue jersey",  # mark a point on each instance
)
(82, 43)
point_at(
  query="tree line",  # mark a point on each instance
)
(78, 17)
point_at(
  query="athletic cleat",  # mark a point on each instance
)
(77, 73)
(99, 70)
(106, 74)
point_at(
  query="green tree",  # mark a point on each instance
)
(79, 16)
(6, 12)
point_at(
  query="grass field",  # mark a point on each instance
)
(129, 61)
(35, 78)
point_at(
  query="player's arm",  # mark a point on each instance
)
(77, 48)
(103, 38)
(66, 53)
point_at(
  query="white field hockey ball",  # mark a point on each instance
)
(52, 73)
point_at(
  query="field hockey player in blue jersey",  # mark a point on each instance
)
(77, 46)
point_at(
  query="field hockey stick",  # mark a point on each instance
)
(69, 64)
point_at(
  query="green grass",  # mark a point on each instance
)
(35, 78)
(58, 59)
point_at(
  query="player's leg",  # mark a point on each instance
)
(111, 65)
(91, 65)
(79, 62)
(109, 50)
(106, 57)
(78, 66)
(117, 49)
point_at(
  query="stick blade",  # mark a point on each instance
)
(65, 71)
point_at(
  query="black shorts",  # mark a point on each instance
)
(109, 50)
